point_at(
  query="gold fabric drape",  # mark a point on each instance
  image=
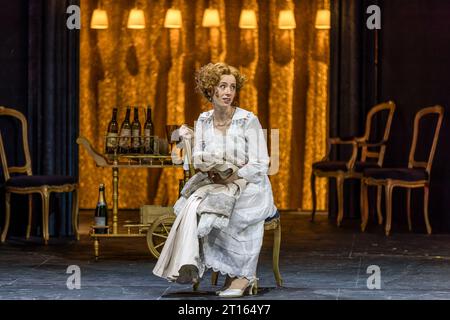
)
(287, 73)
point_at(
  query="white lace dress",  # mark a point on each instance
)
(235, 249)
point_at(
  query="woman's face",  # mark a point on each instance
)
(225, 92)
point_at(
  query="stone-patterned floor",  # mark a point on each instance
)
(318, 261)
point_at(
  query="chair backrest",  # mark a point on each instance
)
(412, 163)
(378, 155)
(4, 111)
(188, 152)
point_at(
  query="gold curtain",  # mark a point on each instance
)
(287, 73)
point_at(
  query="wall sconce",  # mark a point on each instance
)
(136, 19)
(173, 19)
(211, 18)
(99, 19)
(323, 19)
(286, 20)
(247, 19)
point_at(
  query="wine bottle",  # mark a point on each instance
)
(136, 133)
(112, 134)
(101, 211)
(148, 133)
(125, 133)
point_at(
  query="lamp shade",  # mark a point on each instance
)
(99, 19)
(173, 19)
(211, 18)
(323, 19)
(136, 19)
(286, 20)
(247, 19)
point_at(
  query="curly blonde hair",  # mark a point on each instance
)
(208, 77)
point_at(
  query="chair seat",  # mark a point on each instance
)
(404, 174)
(36, 181)
(329, 166)
(275, 216)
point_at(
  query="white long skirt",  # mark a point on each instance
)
(182, 245)
(232, 251)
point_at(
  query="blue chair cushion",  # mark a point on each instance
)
(404, 174)
(275, 216)
(329, 166)
(36, 181)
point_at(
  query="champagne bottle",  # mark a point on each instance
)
(148, 133)
(136, 133)
(125, 133)
(112, 134)
(101, 211)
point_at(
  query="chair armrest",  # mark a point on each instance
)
(371, 144)
(351, 162)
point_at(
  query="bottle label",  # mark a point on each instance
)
(136, 133)
(100, 221)
(136, 141)
(112, 140)
(148, 141)
(125, 135)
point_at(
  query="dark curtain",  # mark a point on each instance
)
(353, 87)
(415, 64)
(53, 69)
(47, 61)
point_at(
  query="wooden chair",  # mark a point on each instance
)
(417, 175)
(352, 169)
(29, 183)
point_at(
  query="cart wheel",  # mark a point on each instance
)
(158, 232)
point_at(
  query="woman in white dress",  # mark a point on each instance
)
(236, 135)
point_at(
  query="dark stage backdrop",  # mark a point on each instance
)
(39, 60)
(413, 71)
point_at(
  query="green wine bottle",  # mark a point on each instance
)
(101, 211)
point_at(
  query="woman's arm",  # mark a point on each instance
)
(203, 161)
(256, 149)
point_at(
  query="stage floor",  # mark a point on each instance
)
(318, 261)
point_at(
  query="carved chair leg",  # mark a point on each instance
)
(75, 212)
(276, 254)
(30, 214)
(340, 195)
(313, 195)
(45, 212)
(408, 207)
(7, 215)
(364, 206)
(388, 190)
(379, 212)
(195, 286)
(426, 193)
(214, 277)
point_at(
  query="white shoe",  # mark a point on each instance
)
(237, 293)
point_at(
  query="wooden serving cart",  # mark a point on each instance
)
(155, 221)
